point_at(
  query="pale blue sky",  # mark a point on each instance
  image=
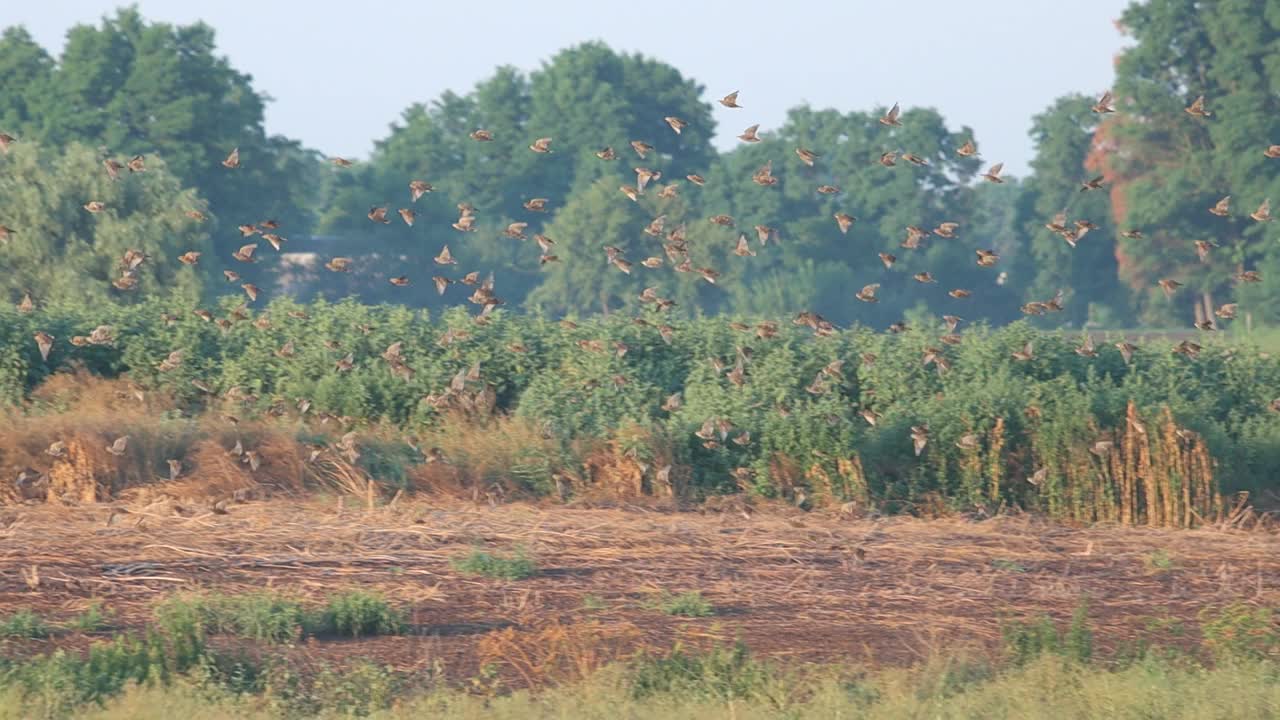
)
(341, 72)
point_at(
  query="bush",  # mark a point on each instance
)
(1240, 632)
(23, 624)
(357, 614)
(685, 604)
(255, 616)
(1025, 641)
(516, 566)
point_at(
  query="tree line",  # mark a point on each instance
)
(130, 87)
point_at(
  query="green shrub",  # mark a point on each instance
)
(721, 673)
(357, 614)
(516, 566)
(24, 624)
(1025, 641)
(1240, 632)
(685, 604)
(256, 616)
(92, 619)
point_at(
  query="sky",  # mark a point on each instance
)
(339, 73)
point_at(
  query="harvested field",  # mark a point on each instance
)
(791, 585)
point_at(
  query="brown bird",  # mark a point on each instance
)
(868, 293)
(465, 223)
(891, 117)
(248, 230)
(723, 220)
(1092, 184)
(959, 293)
(378, 215)
(113, 168)
(806, 156)
(1227, 311)
(764, 233)
(844, 221)
(642, 148)
(987, 258)
(445, 258)
(1131, 234)
(1263, 213)
(1202, 249)
(44, 343)
(871, 416)
(993, 174)
(339, 264)
(1026, 353)
(914, 159)
(749, 135)
(743, 248)
(631, 192)
(828, 190)
(536, 204)
(441, 283)
(919, 437)
(914, 235)
(233, 160)
(481, 135)
(6, 233)
(26, 305)
(407, 216)
(888, 259)
(709, 274)
(275, 240)
(245, 253)
(967, 149)
(607, 153)
(1188, 348)
(418, 188)
(764, 176)
(5, 141)
(730, 100)
(946, 230)
(1169, 286)
(1105, 104)
(924, 277)
(231, 275)
(696, 179)
(515, 230)
(95, 206)
(1196, 108)
(340, 162)
(1272, 151)
(889, 159)
(1248, 276)
(1126, 350)
(191, 257)
(251, 290)
(676, 123)
(119, 447)
(1222, 208)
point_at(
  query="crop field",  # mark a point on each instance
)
(803, 587)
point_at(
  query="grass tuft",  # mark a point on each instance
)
(516, 566)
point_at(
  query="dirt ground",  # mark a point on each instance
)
(801, 586)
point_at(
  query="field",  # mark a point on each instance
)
(803, 587)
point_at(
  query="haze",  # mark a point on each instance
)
(340, 72)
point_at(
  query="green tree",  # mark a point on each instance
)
(25, 74)
(61, 252)
(1064, 136)
(1171, 167)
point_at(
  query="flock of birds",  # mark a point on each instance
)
(675, 245)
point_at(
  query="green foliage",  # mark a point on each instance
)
(1159, 561)
(515, 566)
(1241, 632)
(23, 624)
(62, 253)
(257, 616)
(1024, 641)
(721, 673)
(358, 614)
(685, 604)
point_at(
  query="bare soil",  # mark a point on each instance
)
(807, 587)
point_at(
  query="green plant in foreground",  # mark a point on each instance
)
(24, 624)
(357, 614)
(1026, 640)
(256, 616)
(1240, 632)
(593, 602)
(516, 566)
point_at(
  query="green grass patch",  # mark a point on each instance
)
(514, 566)
(357, 614)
